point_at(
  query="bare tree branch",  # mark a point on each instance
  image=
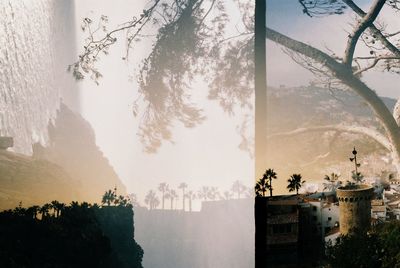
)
(363, 24)
(375, 30)
(374, 63)
(346, 76)
(320, 8)
(392, 34)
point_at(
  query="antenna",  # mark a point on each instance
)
(356, 165)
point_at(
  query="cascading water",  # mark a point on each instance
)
(37, 42)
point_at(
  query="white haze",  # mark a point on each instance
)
(205, 155)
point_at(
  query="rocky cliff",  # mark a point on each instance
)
(73, 147)
(72, 167)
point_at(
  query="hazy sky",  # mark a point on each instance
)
(208, 154)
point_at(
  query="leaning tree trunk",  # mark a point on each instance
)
(380, 109)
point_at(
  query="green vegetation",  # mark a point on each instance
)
(78, 235)
(332, 182)
(378, 248)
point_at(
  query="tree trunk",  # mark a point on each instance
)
(270, 187)
(163, 199)
(183, 199)
(346, 77)
(260, 124)
(384, 115)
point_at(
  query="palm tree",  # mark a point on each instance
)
(204, 193)
(44, 210)
(238, 187)
(191, 196)
(32, 212)
(295, 183)
(183, 186)
(270, 174)
(121, 201)
(35, 210)
(57, 207)
(332, 182)
(133, 200)
(108, 197)
(60, 207)
(74, 204)
(156, 202)
(213, 193)
(228, 195)
(152, 200)
(163, 188)
(85, 205)
(261, 186)
(172, 195)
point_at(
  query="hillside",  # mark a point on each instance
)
(32, 181)
(71, 167)
(316, 153)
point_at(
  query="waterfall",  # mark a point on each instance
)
(37, 42)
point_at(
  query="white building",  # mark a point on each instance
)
(325, 215)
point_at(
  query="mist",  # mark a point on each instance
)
(192, 194)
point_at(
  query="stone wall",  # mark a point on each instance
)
(354, 208)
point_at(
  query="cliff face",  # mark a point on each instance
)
(117, 224)
(32, 181)
(71, 168)
(72, 146)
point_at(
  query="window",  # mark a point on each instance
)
(329, 218)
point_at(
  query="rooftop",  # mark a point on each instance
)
(354, 187)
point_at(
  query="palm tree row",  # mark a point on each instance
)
(205, 193)
(55, 209)
(264, 184)
(111, 198)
